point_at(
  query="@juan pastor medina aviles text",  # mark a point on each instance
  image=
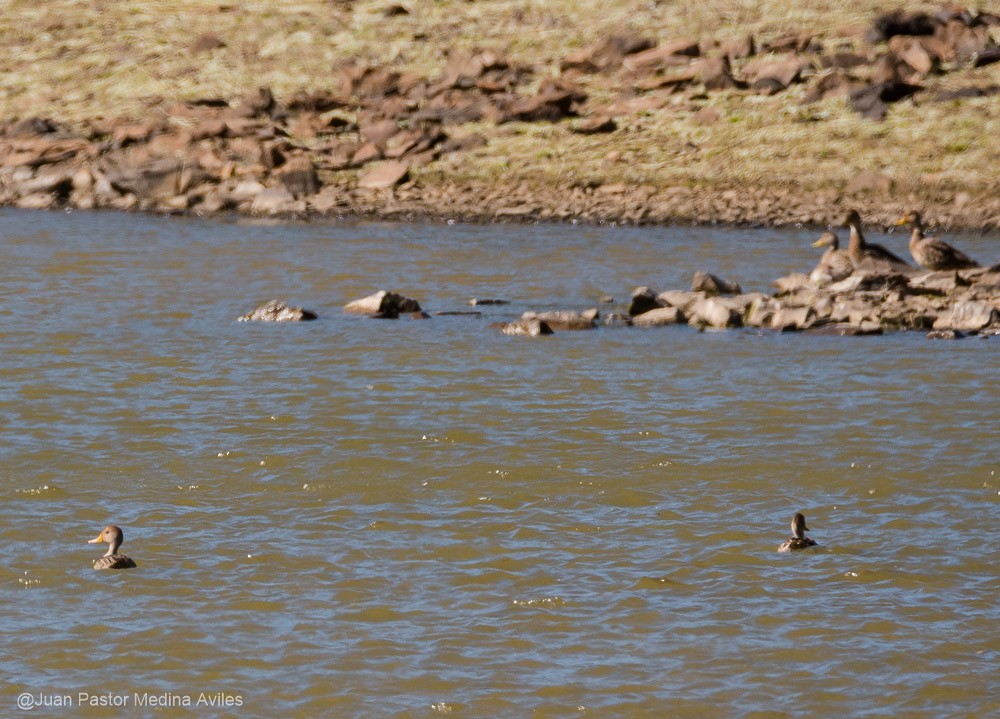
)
(208, 700)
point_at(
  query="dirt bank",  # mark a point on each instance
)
(790, 124)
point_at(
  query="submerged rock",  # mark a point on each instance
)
(565, 319)
(277, 311)
(384, 304)
(531, 327)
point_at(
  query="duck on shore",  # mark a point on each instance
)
(798, 540)
(930, 252)
(835, 264)
(113, 536)
(872, 255)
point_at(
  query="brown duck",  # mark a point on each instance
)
(860, 251)
(798, 540)
(113, 536)
(835, 264)
(930, 252)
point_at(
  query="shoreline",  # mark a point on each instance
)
(792, 126)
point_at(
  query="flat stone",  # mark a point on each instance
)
(277, 311)
(386, 175)
(658, 317)
(713, 285)
(969, 316)
(274, 201)
(714, 312)
(565, 319)
(533, 327)
(384, 302)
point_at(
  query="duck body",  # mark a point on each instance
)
(115, 561)
(862, 252)
(835, 264)
(798, 540)
(932, 253)
(112, 559)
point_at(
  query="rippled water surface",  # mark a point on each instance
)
(361, 518)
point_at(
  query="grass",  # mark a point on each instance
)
(72, 60)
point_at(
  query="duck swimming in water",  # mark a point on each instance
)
(113, 536)
(861, 252)
(932, 253)
(798, 540)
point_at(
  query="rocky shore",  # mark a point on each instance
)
(397, 145)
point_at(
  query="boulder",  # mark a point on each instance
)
(658, 317)
(533, 327)
(298, 176)
(565, 319)
(383, 302)
(712, 285)
(386, 175)
(643, 300)
(715, 312)
(969, 316)
(276, 201)
(277, 311)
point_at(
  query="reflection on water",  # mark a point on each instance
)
(359, 518)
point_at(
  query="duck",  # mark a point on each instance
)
(835, 264)
(930, 252)
(862, 252)
(798, 540)
(113, 536)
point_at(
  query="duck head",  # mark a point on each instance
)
(799, 527)
(112, 535)
(851, 219)
(911, 218)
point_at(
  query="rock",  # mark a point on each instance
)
(383, 302)
(671, 53)
(969, 316)
(707, 116)
(783, 72)
(658, 317)
(792, 319)
(945, 335)
(274, 201)
(712, 285)
(533, 327)
(739, 47)
(386, 175)
(715, 312)
(32, 126)
(643, 300)
(911, 51)
(599, 124)
(617, 319)
(715, 74)
(55, 181)
(606, 54)
(565, 319)
(543, 107)
(901, 22)
(245, 191)
(277, 311)
(298, 176)
(680, 299)
(793, 283)
(154, 179)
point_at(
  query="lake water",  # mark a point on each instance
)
(361, 518)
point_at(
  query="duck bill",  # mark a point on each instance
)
(900, 221)
(819, 243)
(97, 540)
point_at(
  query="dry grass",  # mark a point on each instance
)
(71, 60)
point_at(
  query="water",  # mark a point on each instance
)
(360, 518)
